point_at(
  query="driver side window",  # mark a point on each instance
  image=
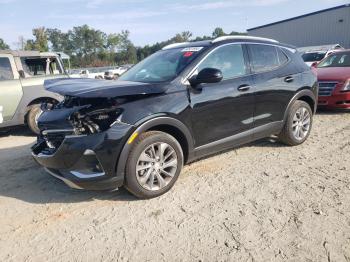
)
(229, 59)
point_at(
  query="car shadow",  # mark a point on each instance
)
(324, 111)
(22, 178)
(16, 131)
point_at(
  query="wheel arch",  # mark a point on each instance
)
(43, 99)
(38, 100)
(165, 124)
(305, 95)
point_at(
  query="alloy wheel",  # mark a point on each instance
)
(156, 166)
(301, 123)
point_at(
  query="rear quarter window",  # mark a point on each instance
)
(265, 57)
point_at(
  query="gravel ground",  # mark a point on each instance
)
(261, 202)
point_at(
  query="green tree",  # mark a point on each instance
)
(113, 42)
(237, 33)
(30, 45)
(218, 32)
(90, 47)
(131, 54)
(60, 41)
(3, 45)
(40, 43)
(186, 36)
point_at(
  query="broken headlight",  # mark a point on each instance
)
(91, 121)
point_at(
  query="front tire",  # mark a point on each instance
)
(32, 118)
(298, 125)
(153, 165)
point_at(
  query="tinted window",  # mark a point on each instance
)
(229, 59)
(5, 69)
(336, 60)
(312, 57)
(265, 57)
(282, 58)
(41, 66)
(162, 66)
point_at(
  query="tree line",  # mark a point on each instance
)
(89, 47)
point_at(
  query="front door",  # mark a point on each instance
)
(10, 88)
(222, 110)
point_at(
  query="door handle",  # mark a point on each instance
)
(289, 79)
(244, 88)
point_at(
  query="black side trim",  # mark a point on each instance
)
(238, 139)
(304, 92)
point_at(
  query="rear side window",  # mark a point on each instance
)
(265, 57)
(312, 57)
(41, 66)
(5, 69)
(229, 59)
(282, 58)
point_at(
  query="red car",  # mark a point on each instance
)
(333, 75)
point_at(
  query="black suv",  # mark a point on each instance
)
(184, 102)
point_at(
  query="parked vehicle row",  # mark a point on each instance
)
(333, 74)
(184, 102)
(108, 73)
(314, 54)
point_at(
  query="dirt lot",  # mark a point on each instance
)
(264, 201)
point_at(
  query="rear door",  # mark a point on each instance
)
(222, 110)
(275, 81)
(10, 88)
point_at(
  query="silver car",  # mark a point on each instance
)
(22, 75)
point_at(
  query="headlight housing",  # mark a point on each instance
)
(346, 86)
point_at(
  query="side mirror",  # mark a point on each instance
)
(206, 76)
(21, 74)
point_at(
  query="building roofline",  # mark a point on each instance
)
(301, 16)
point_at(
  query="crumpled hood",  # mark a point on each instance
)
(89, 88)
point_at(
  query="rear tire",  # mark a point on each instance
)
(153, 165)
(32, 118)
(298, 124)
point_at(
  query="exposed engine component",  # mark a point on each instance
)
(95, 115)
(90, 121)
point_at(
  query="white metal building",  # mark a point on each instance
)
(324, 27)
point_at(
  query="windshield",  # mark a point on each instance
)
(162, 66)
(312, 57)
(336, 60)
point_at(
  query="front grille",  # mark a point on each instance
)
(326, 88)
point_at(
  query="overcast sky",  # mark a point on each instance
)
(149, 21)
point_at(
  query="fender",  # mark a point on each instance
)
(144, 125)
(304, 92)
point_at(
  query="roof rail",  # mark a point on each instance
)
(175, 45)
(238, 37)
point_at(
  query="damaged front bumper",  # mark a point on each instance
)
(84, 161)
